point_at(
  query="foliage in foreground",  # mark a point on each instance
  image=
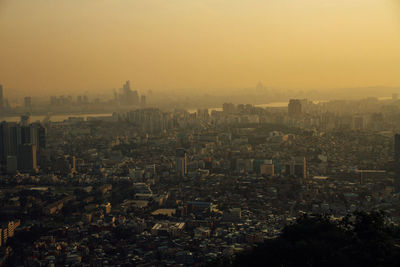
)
(359, 239)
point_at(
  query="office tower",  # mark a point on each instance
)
(296, 167)
(143, 100)
(27, 158)
(12, 165)
(27, 135)
(202, 114)
(127, 86)
(41, 136)
(13, 135)
(151, 120)
(13, 138)
(294, 108)
(38, 138)
(1, 98)
(228, 108)
(129, 97)
(181, 162)
(126, 93)
(3, 141)
(397, 161)
(27, 102)
(10, 136)
(134, 98)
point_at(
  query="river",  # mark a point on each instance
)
(58, 118)
(54, 118)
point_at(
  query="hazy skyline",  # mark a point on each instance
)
(161, 45)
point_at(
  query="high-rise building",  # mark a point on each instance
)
(397, 161)
(294, 108)
(14, 135)
(228, 108)
(10, 138)
(127, 96)
(12, 164)
(296, 167)
(143, 100)
(1, 98)
(202, 114)
(27, 135)
(27, 158)
(27, 102)
(127, 86)
(181, 162)
(3, 141)
(13, 138)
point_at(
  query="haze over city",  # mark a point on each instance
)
(50, 47)
(199, 133)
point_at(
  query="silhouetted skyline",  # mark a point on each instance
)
(74, 46)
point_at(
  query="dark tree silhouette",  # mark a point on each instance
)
(359, 239)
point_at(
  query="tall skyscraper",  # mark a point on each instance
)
(40, 136)
(294, 108)
(143, 100)
(1, 98)
(181, 162)
(27, 102)
(3, 140)
(134, 98)
(397, 161)
(27, 158)
(128, 97)
(14, 137)
(10, 138)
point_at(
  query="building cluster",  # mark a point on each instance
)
(68, 100)
(128, 97)
(123, 99)
(21, 145)
(154, 187)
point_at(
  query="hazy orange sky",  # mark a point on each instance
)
(74, 45)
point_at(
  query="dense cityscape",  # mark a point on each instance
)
(152, 187)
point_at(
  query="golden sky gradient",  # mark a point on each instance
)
(74, 45)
